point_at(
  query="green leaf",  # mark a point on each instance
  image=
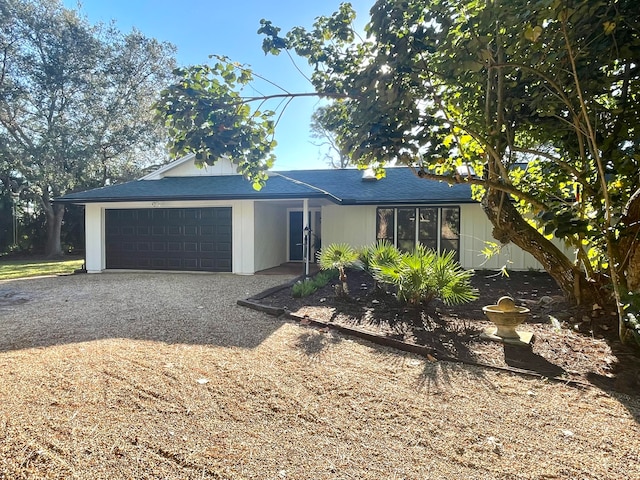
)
(533, 33)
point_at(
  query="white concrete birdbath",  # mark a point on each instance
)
(506, 316)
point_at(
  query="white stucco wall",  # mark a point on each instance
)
(243, 232)
(270, 245)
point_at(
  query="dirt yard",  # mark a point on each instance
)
(568, 344)
(142, 376)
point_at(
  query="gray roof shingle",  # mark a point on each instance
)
(400, 186)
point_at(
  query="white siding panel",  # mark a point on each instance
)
(270, 243)
(223, 166)
(94, 238)
(355, 225)
(476, 231)
(243, 237)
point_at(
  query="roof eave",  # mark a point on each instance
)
(416, 201)
(185, 198)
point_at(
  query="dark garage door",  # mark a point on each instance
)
(169, 239)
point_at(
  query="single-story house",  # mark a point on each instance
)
(185, 217)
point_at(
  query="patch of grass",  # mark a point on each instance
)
(10, 269)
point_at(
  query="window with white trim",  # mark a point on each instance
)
(437, 228)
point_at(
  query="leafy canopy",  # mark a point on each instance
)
(205, 114)
(75, 103)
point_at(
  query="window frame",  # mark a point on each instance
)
(440, 240)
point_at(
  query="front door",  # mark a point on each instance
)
(296, 229)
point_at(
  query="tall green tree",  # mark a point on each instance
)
(540, 97)
(75, 102)
(326, 122)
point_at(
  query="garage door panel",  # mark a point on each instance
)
(169, 239)
(159, 246)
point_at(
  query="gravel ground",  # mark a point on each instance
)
(164, 376)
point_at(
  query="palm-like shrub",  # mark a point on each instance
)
(422, 275)
(382, 253)
(338, 256)
(379, 254)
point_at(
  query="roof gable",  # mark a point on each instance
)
(186, 167)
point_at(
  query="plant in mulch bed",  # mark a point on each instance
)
(382, 253)
(308, 286)
(339, 256)
(422, 275)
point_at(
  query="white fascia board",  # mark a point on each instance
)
(159, 173)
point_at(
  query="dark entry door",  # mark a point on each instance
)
(191, 239)
(295, 236)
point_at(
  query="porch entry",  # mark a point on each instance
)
(296, 234)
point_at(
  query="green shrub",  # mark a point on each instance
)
(422, 275)
(633, 327)
(303, 288)
(306, 287)
(324, 277)
(338, 256)
(381, 253)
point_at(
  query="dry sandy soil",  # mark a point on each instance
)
(579, 345)
(164, 376)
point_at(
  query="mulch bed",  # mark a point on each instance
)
(568, 344)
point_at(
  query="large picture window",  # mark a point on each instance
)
(437, 228)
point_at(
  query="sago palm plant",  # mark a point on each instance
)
(422, 275)
(339, 256)
(382, 253)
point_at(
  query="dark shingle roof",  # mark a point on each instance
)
(226, 187)
(399, 186)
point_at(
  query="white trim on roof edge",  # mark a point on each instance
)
(185, 167)
(158, 174)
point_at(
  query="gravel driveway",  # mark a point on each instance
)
(163, 376)
(166, 307)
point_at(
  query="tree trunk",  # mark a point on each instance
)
(510, 226)
(54, 215)
(629, 244)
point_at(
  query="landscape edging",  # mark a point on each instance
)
(430, 353)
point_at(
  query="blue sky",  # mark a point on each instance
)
(199, 28)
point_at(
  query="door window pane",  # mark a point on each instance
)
(385, 227)
(428, 228)
(406, 229)
(450, 231)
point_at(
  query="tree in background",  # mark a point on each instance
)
(539, 97)
(325, 122)
(75, 103)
